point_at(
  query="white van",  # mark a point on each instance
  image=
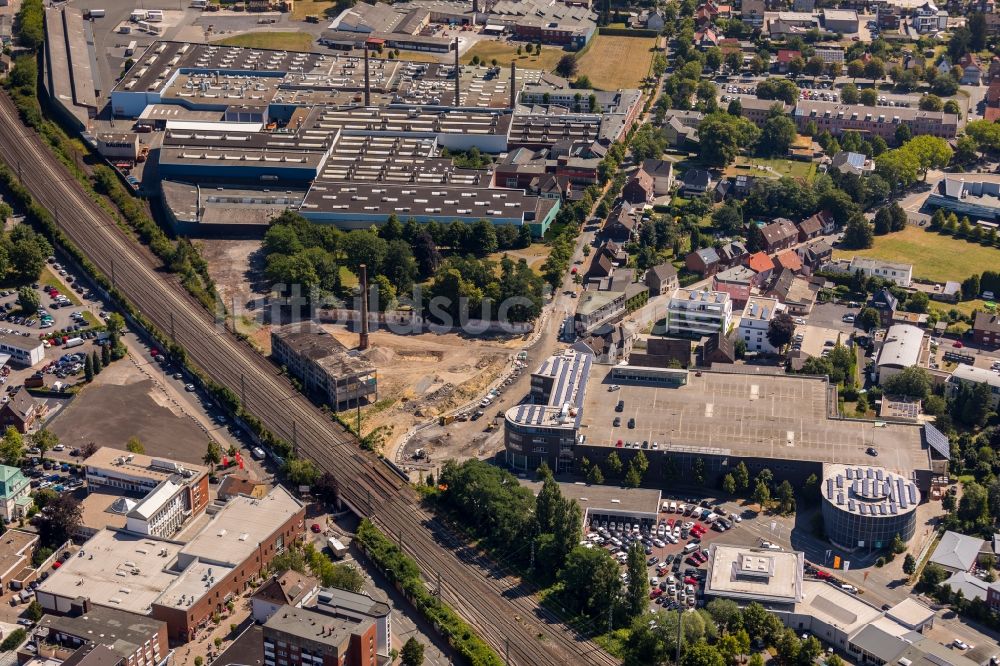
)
(711, 518)
(673, 507)
(690, 548)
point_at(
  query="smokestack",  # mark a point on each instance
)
(368, 85)
(513, 84)
(458, 98)
(363, 341)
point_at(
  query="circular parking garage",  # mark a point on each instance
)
(865, 507)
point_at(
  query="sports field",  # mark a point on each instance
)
(934, 256)
(614, 62)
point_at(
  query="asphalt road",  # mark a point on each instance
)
(497, 605)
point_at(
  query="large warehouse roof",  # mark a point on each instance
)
(901, 348)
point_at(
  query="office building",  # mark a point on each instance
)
(867, 507)
(342, 378)
(135, 639)
(882, 121)
(22, 351)
(698, 312)
(899, 274)
(975, 199)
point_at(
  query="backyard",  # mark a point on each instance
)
(934, 257)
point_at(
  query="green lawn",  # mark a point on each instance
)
(772, 168)
(934, 257)
(48, 278)
(289, 41)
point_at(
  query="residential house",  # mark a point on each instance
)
(678, 134)
(639, 188)
(758, 111)
(295, 635)
(752, 12)
(900, 274)
(706, 38)
(717, 348)
(705, 261)
(290, 588)
(810, 228)
(814, 255)
(601, 266)
(662, 173)
(16, 550)
(736, 282)
(957, 552)
(784, 59)
(20, 411)
(928, 18)
(234, 485)
(970, 585)
(969, 375)
(755, 322)
(695, 182)
(788, 259)
(733, 253)
(972, 70)
(886, 304)
(888, 16)
(951, 292)
(15, 493)
(762, 265)
(736, 187)
(856, 163)
(986, 329)
(661, 279)
(780, 234)
(623, 224)
(655, 20)
(609, 343)
(992, 112)
(843, 21)
(797, 294)
(827, 225)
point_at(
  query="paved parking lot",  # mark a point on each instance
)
(669, 565)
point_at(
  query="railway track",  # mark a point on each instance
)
(498, 606)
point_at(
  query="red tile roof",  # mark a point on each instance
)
(760, 262)
(787, 55)
(788, 259)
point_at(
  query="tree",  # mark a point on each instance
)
(301, 472)
(778, 89)
(780, 330)
(135, 446)
(722, 136)
(932, 576)
(868, 96)
(977, 31)
(28, 299)
(734, 61)
(786, 498)
(917, 302)
(849, 94)
(742, 476)
(590, 580)
(713, 58)
(614, 464)
(594, 475)
(12, 447)
(814, 66)
(858, 234)
(959, 44)
(567, 66)
(95, 360)
(60, 521)
(875, 69)
(913, 382)
(868, 318)
(735, 107)
(898, 546)
(776, 136)
(761, 494)
(856, 68)
(909, 564)
(702, 654)
(412, 653)
(637, 592)
(213, 454)
(728, 484)
(727, 219)
(796, 65)
(931, 103)
(88, 369)
(35, 611)
(44, 440)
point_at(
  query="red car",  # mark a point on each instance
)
(823, 575)
(56, 564)
(663, 571)
(693, 562)
(690, 580)
(671, 523)
(619, 444)
(655, 593)
(316, 528)
(958, 344)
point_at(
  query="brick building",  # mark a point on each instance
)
(986, 329)
(300, 637)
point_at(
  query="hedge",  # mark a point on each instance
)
(403, 571)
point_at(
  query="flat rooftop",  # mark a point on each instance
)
(116, 569)
(315, 627)
(12, 547)
(117, 462)
(831, 605)
(766, 416)
(236, 531)
(597, 497)
(755, 574)
(189, 202)
(123, 632)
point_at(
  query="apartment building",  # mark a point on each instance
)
(135, 639)
(755, 322)
(882, 121)
(698, 312)
(339, 376)
(986, 329)
(300, 637)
